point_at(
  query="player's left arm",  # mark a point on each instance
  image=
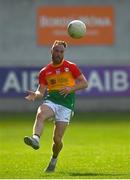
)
(81, 83)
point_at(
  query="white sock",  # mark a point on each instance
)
(53, 160)
(36, 137)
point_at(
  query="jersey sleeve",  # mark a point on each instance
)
(75, 71)
(42, 79)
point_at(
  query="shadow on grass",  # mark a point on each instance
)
(74, 175)
(96, 174)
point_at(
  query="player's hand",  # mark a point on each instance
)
(31, 96)
(65, 91)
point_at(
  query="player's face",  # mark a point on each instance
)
(57, 54)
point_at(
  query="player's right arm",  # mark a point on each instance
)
(39, 93)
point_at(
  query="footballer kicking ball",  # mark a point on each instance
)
(76, 29)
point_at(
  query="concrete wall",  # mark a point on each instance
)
(18, 36)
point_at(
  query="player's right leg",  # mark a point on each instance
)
(59, 131)
(44, 112)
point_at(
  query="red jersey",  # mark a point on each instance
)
(57, 77)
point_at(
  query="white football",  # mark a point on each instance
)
(76, 29)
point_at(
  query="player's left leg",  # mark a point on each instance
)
(44, 112)
(59, 130)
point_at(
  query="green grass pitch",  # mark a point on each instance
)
(96, 146)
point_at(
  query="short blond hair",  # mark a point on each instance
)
(59, 42)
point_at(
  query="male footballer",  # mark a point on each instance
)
(60, 79)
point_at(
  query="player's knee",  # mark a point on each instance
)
(57, 139)
(40, 115)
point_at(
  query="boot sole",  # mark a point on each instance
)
(29, 142)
